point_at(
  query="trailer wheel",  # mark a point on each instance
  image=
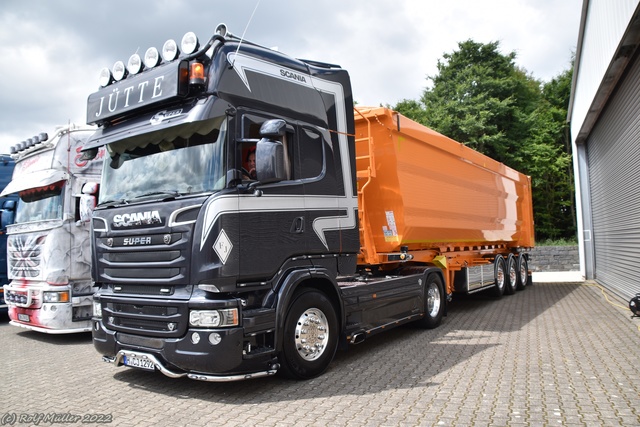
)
(500, 276)
(511, 277)
(523, 272)
(310, 336)
(433, 302)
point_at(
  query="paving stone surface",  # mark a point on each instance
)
(565, 354)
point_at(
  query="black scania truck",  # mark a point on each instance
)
(204, 267)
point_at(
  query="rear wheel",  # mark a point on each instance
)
(500, 276)
(433, 302)
(512, 275)
(523, 272)
(310, 335)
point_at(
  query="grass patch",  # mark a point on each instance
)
(558, 242)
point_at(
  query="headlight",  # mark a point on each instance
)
(213, 318)
(61, 296)
(97, 308)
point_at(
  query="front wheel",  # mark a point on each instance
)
(434, 301)
(310, 335)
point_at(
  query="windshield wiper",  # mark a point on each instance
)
(172, 194)
(109, 203)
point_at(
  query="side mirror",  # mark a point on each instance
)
(270, 157)
(269, 161)
(88, 201)
(9, 205)
(7, 217)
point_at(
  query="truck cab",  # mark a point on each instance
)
(48, 252)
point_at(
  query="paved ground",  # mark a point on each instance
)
(554, 354)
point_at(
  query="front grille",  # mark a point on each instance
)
(146, 259)
(147, 318)
(24, 255)
(139, 341)
(152, 310)
(144, 290)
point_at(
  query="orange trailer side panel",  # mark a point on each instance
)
(420, 189)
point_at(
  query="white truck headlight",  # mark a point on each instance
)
(214, 318)
(56, 296)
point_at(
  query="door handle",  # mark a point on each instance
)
(298, 225)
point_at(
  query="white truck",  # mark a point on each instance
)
(48, 246)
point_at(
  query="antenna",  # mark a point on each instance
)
(245, 30)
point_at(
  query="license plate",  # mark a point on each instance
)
(23, 317)
(139, 362)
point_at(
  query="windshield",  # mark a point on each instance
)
(40, 204)
(164, 167)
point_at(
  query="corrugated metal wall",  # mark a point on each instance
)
(614, 174)
(606, 22)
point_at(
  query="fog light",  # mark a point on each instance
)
(151, 57)
(215, 338)
(135, 64)
(119, 71)
(105, 77)
(170, 50)
(189, 43)
(195, 338)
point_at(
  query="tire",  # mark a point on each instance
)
(434, 301)
(499, 270)
(311, 316)
(523, 272)
(511, 277)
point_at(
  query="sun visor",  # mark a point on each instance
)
(168, 124)
(37, 179)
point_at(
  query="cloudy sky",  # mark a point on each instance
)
(51, 51)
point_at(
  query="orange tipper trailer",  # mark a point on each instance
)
(433, 200)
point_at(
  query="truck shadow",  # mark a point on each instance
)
(404, 357)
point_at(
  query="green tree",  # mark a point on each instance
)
(551, 131)
(481, 98)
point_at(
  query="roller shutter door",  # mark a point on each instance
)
(614, 176)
